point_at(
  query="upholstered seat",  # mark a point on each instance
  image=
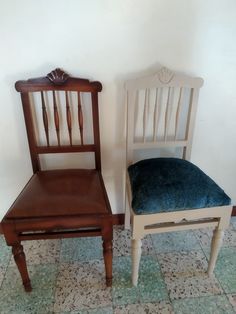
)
(172, 184)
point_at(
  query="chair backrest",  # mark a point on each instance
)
(161, 111)
(48, 102)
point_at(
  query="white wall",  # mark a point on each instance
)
(111, 40)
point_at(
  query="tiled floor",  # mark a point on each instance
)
(68, 276)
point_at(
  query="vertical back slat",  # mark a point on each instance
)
(167, 118)
(177, 112)
(56, 118)
(68, 117)
(131, 102)
(155, 115)
(191, 122)
(80, 119)
(145, 113)
(45, 118)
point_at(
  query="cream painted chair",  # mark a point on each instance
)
(167, 194)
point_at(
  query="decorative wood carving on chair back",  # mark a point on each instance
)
(63, 115)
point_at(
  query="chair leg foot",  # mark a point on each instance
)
(215, 248)
(107, 254)
(19, 257)
(136, 256)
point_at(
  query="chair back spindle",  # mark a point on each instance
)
(80, 119)
(161, 111)
(64, 112)
(56, 118)
(45, 118)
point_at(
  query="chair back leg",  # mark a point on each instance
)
(107, 235)
(216, 243)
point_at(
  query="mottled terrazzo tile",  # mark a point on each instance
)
(204, 236)
(5, 252)
(204, 305)
(122, 242)
(182, 286)
(40, 252)
(13, 298)
(151, 285)
(2, 273)
(41, 276)
(229, 238)
(183, 262)
(185, 275)
(232, 300)
(81, 249)
(122, 290)
(233, 222)
(225, 269)
(36, 302)
(81, 286)
(163, 307)
(175, 241)
(104, 310)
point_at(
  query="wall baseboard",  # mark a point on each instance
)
(118, 219)
(234, 211)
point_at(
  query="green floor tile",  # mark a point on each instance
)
(104, 310)
(175, 241)
(225, 269)
(81, 249)
(13, 298)
(122, 290)
(5, 252)
(151, 284)
(205, 305)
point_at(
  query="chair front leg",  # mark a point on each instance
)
(136, 256)
(217, 240)
(107, 236)
(19, 257)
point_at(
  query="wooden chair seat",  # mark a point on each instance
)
(61, 193)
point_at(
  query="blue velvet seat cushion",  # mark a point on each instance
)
(172, 184)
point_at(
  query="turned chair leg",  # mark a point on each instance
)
(217, 239)
(136, 256)
(19, 257)
(107, 235)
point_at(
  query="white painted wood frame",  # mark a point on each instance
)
(175, 85)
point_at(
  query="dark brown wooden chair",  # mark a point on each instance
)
(59, 203)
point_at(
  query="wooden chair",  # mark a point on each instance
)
(168, 194)
(60, 203)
